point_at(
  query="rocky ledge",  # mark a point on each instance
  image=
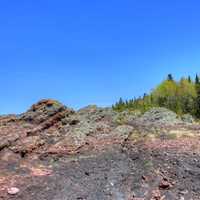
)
(53, 152)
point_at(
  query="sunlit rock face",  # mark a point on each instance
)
(54, 152)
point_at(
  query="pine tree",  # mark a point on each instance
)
(197, 81)
(120, 105)
(181, 96)
(121, 102)
(144, 95)
(170, 77)
(197, 104)
(189, 79)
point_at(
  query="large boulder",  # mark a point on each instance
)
(122, 131)
(43, 110)
(187, 118)
(160, 115)
(126, 117)
(94, 113)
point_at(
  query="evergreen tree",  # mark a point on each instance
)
(197, 106)
(189, 79)
(121, 101)
(170, 77)
(186, 96)
(181, 96)
(197, 81)
(144, 95)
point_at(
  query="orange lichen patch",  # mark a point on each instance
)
(179, 145)
(40, 172)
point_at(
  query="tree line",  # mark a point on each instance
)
(182, 97)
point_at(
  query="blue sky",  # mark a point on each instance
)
(93, 52)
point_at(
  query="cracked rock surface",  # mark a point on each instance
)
(54, 152)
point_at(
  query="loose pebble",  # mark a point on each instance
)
(13, 190)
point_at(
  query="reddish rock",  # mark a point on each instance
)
(164, 184)
(27, 144)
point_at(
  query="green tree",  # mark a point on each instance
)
(189, 79)
(181, 96)
(165, 95)
(197, 81)
(186, 96)
(197, 103)
(197, 106)
(120, 105)
(170, 77)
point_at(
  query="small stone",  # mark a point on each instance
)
(164, 185)
(145, 178)
(13, 190)
(156, 195)
(183, 192)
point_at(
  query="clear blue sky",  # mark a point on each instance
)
(93, 51)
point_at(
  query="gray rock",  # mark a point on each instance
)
(160, 115)
(93, 113)
(188, 118)
(88, 109)
(126, 117)
(122, 131)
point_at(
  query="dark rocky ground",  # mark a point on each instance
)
(54, 153)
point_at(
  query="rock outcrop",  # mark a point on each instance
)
(187, 118)
(43, 110)
(160, 115)
(54, 152)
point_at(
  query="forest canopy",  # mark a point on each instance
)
(182, 97)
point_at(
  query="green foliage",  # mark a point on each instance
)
(197, 103)
(181, 96)
(165, 95)
(139, 104)
(189, 79)
(187, 95)
(120, 105)
(197, 81)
